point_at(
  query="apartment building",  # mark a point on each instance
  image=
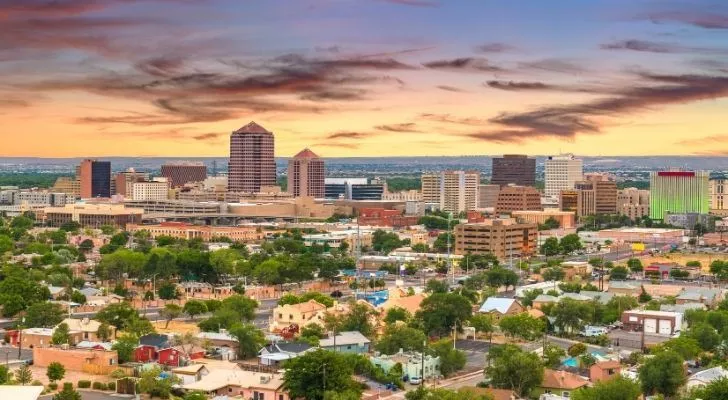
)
(454, 191)
(502, 237)
(580, 202)
(633, 203)
(717, 191)
(157, 189)
(306, 172)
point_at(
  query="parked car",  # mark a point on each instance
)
(415, 380)
(592, 331)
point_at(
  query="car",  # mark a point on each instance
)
(415, 380)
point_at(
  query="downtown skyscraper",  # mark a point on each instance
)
(678, 192)
(306, 175)
(252, 164)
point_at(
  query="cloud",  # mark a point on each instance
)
(465, 64)
(447, 118)
(403, 127)
(702, 19)
(658, 47)
(416, 3)
(451, 89)
(515, 86)
(495, 47)
(339, 145)
(705, 140)
(553, 65)
(160, 66)
(347, 135)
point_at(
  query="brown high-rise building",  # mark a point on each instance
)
(180, 173)
(503, 238)
(514, 169)
(123, 180)
(518, 198)
(252, 163)
(95, 179)
(306, 175)
(605, 193)
(595, 195)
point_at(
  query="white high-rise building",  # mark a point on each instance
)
(455, 191)
(561, 173)
(157, 189)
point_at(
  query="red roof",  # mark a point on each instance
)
(252, 127)
(306, 153)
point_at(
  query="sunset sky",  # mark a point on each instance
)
(364, 77)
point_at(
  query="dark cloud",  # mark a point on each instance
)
(13, 103)
(495, 47)
(703, 18)
(465, 64)
(659, 47)
(553, 65)
(403, 127)
(416, 3)
(347, 135)
(329, 49)
(161, 66)
(516, 86)
(208, 136)
(447, 118)
(451, 89)
(705, 140)
(566, 121)
(336, 95)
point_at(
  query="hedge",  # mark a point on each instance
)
(84, 384)
(67, 385)
(111, 385)
(52, 386)
(99, 386)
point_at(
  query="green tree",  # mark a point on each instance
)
(385, 242)
(577, 349)
(55, 371)
(250, 339)
(550, 247)
(168, 291)
(451, 360)
(483, 323)
(170, 312)
(618, 274)
(512, 368)
(570, 243)
(310, 375)
(662, 374)
(635, 265)
(715, 390)
(529, 296)
(86, 246)
(705, 335)
(397, 337)
(43, 315)
(68, 393)
(104, 332)
(4, 375)
(421, 393)
(440, 312)
(437, 286)
(587, 360)
(571, 315)
(24, 375)
(119, 315)
(553, 274)
(195, 395)
(522, 325)
(140, 327)
(618, 388)
(156, 384)
(78, 297)
(194, 308)
(395, 314)
(688, 348)
(243, 306)
(61, 335)
(358, 319)
(125, 346)
(552, 356)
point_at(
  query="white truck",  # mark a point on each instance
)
(591, 331)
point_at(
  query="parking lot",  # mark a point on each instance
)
(475, 351)
(633, 340)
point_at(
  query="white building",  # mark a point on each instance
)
(157, 189)
(35, 197)
(718, 195)
(454, 191)
(561, 173)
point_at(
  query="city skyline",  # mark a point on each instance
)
(363, 77)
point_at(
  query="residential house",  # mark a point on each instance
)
(149, 347)
(346, 342)
(601, 297)
(399, 298)
(41, 337)
(623, 288)
(300, 314)
(246, 384)
(225, 345)
(170, 356)
(94, 345)
(682, 308)
(412, 364)
(605, 370)
(191, 352)
(703, 295)
(544, 299)
(652, 322)
(103, 301)
(705, 377)
(499, 307)
(560, 383)
(97, 362)
(57, 291)
(191, 373)
(89, 291)
(277, 353)
(88, 327)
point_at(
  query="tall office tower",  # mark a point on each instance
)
(718, 194)
(430, 188)
(252, 163)
(123, 180)
(605, 192)
(180, 173)
(580, 201)
(678, 192)
(95, 178)
(561, 173)
(518, 198)
(488, 195)
(633, 203)
(306, 175)
(514, 169)
(454, 191)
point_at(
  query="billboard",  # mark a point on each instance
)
(638, 247)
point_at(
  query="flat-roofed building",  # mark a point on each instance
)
(181, 173)
(633, 203)
(518, 198)
(158, 189)
(678, 192)
(455, 191)
(93, 215)
(207, 233)
(501, 237)
(95, 179)
(514, 169)
(566, 219)
(488, 196)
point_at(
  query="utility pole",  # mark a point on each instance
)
(422, 355)
(449, 233)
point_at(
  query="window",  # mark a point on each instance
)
(230, 390)
(565, 395)
(280, 397)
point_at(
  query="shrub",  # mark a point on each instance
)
(111, 386)
(67, 386)
(84, 384)
(99, 386)
(36, 383)
(53, 386)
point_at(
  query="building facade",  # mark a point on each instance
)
(565, 219)
(579, 201)
(633, 203)
(158, 189)
(124, 180)
(95, 179)
(93, 215)
(518, 198)
(352, 189)
(501, 237)
(306, 174)
(207, 233)
(488, 196)
(454, 191)
(514, 169)
(180, 173)
(252, 164)
(605, 193)
(561, 172)
(717, 191)
(678, 192)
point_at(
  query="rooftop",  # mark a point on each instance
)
(562, 380)
(345, 338)
(220, 378)
(498, 304)
(252, 127)
(306, 153)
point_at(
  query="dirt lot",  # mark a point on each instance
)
(681, 258)
(180, 327)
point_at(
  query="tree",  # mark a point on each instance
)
(420, 248)
(155, 383)
(243, 306)
(440, 312)
(250, 339)
(86, 246)
(550, 247)
(529, 296)
(385, 242)
(358, 319)
(68, 393)
(451, 360)
(705, 335)
(577, 349)
(140, 326)
(43, 315)
(397, 337)
(437, 286)
(421, 393)
(61, 335)
(552, 356)
(618, 388)
(78, 297)
(550, 223)
(168, 291)
(311, 374)
(125, 346)
(512, 368)
(715, 390)
(170, 312)
(195, 395)
(395, 314)
(688, 348)
(553, 274)
(24, 375)
(483, 323)
(570, 243)
(4, 375)
(662, 374)
(104, 332)
(587, 360)
(56, 371)
(570, 315)
(194, 308)
(618, 274)
(313, 331)
(522, 325)
(119, 315)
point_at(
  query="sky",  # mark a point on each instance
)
(346, 78)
